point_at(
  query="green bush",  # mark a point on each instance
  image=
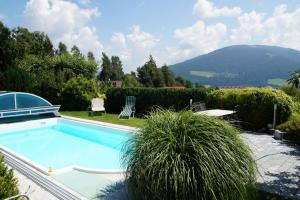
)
(185, 156)
(293, 92)
(255, 105)
(146, 98)
(292, 127)
(77, 93)
(8, 184)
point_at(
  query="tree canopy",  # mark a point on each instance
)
(294, 79)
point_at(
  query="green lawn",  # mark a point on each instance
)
(110, 118)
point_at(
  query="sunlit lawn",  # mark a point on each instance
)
(110, 118)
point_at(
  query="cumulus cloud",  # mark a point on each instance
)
(133, 47)
(64, 21)
(282, 28)
(199, 38)
(141, 39)
(119, 40)
(207, 9)
(250, 24)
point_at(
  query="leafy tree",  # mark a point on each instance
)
(62, 49)
(149, 75)
(78, 92)
(183, 82)
(188, 83)
(76, 52)
(16, 79)
(198, 85)
(8, 183)
(7, 52)
(90, 56)
(131, 80)
(294, 79)
(158, 79)
(106, 66)
(168, 76)
(180, 80)
(26, 43)
(50, 73)
(117, 69)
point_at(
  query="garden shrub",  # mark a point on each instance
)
(146, 98)
(291, 127)
(8, 184)
(293, 92)
(185, 156)
(77, 93)
(255, 105)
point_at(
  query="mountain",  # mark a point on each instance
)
(241, 65)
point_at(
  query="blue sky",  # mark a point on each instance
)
(170, 30)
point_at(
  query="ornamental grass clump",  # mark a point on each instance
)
(185, 156)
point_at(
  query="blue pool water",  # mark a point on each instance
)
(68, 143)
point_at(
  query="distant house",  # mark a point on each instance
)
(175, 87)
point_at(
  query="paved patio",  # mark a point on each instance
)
(31, 189)
(278, 164)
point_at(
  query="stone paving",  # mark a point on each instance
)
(278, 164)
(31, 189)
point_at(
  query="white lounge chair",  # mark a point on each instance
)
(129, 108)
(97, 105)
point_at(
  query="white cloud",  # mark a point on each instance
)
(64, 21)
(141, 39)
(282, 28)
(249, 24)
(2, 17)
(207, 9)
(133, 47)
(199, 38)
(86, 39)
(119, 40)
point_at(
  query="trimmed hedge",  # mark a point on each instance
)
(146, 98)
(255, 104)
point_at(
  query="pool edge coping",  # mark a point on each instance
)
(46, 181)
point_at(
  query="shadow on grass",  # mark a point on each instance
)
(116, 191)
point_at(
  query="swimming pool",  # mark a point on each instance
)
(60, 143)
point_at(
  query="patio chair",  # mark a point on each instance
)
(129, 108)
(97, 105)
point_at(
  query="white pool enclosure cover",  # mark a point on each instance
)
(14, 104)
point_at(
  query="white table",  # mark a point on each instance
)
(216, 112)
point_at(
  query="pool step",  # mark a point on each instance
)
(48, 183)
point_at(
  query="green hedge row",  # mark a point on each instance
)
(255, 105)
(146, 98)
